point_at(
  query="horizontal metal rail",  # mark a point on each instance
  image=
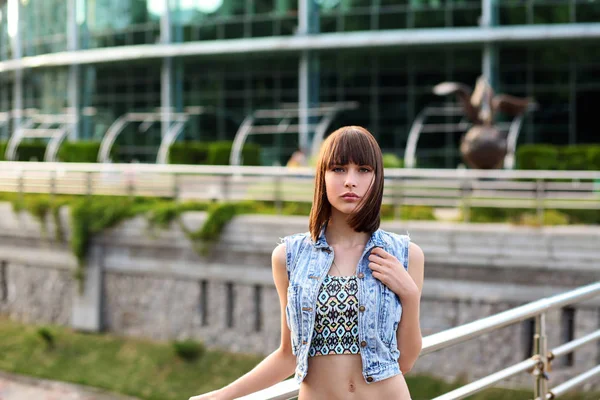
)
(321, 42)
(573, 383)
(408, 173)
(442, 340)
(477, 328)
(488, 381)
(463, 189)
(575, 344)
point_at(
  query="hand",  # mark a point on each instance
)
(214, 395)
(389, 271)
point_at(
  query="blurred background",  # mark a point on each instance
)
(135, 259)
(377, 60)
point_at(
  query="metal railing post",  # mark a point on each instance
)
(278, 199)
(539, 197)
(398, 195)
(52, 184)
(88, 190)
(465, 189)
(175, 186)
(540, 386)
(21, 194)
(226, 187)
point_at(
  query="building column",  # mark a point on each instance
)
(73, 82)
(166, 88)
(489, 19)
(308, 73)
(14, 20)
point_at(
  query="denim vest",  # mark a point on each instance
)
(307, 264)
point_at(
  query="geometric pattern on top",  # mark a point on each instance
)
(336, 319)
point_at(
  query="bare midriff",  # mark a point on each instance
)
(339, 377)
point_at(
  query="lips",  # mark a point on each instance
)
(350, 196)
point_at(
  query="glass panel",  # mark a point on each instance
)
(588, 11)
(43, 26)
(233, 19)
(518, 12)
(120, 22)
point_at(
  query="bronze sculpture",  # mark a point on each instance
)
(483, 146)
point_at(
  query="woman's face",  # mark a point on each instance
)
(346, 185)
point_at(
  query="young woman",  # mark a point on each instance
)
(349, 291)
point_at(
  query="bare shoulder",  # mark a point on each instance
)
(278, 258)
(415, 255)
(416, 264)
(280, 276)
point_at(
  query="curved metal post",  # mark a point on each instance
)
(413, 138)
(168, 140)
(15, 140)
(240, 139)
(511, 141)
(54, 144)
(111, 135)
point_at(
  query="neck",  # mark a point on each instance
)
(339, 233)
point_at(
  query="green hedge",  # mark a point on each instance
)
(583, 157)
(391, 160)
(31, 151)
(194, 153)
(211, 153)
(68, 151)
(83, 152)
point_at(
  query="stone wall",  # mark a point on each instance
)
(153, 284)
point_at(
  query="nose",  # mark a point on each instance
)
(350, 180)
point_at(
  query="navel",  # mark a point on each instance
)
(351, 387)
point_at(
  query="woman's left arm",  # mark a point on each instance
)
(409, 331)
(408, 286)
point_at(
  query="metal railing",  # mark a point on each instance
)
(463, 189)
(539, 363)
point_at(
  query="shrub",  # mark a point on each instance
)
(211, 153)
(191, 153)
(219, 153)
(391, 160)
(189, 350)
(31, 151)
(551, 217)
(47, 336)
(537, 157)
(581, 157)
(83, 151)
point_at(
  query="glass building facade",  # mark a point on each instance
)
(391, 84)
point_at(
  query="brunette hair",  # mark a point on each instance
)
(349, 144)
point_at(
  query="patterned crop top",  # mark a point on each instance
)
(336, 319)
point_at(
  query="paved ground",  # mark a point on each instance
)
(14, 387)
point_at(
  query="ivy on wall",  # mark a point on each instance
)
(94, 214)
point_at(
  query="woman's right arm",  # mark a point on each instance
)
(278, 365)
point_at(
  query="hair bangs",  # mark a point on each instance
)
(351, 146)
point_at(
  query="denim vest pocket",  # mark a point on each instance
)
(389, 315)
(292, 312)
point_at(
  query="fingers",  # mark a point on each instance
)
(376, 259)
(378, 251)
(378, 276)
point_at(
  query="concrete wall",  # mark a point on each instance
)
(153, 284)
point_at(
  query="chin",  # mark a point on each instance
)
(345, 208)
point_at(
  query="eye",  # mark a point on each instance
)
(337, 169)
(365, 169)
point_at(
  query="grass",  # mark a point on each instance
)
(152, 371)
(142, 368)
